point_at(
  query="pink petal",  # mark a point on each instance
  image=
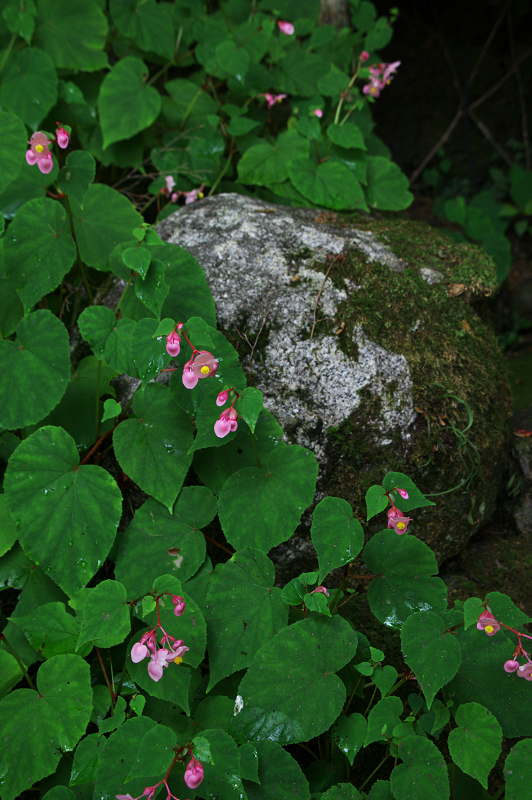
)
(138, 652)
(31, 158)
(222, 427)
(45, 164)
(189, 378)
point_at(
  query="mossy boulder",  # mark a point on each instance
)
(363, 336)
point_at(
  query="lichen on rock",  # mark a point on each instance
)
(364, 348)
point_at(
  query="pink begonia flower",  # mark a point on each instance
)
(399, 524)
(227, 423)
(193, 773)
(203, 365)
(179, 605)
(62, 138)
(170, 183)
(139, 651)
(173, 344)
(193, 195)
(525, 672)
(286, 27)
(393, 513)
(488, 623)
(125, 797)
(511, 665)
(158, 660)
(402, 492)
(222, 397)
(364, 55)
(39, 152)
(321, 589)
(318, 112)
(380, 76)
(273, 98)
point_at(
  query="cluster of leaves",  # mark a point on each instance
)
(160, 89)
(266, 667)
(487, 215)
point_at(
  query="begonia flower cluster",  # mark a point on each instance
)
(490, 626)
(170, 649)
(380, 76)
(396, 518)
(39, 152)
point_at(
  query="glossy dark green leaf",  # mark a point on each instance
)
(290, 692)
(77, 174)
(249, 405)
(296, 589)
(349, 734)
(384, 716)
(422, 636)
(11, 309)
(14, 145)
(475, 744)
(109, 338)
(387, 187)
(73, 35)
(148, 23)
(518, 770)
(280, 776)
(117, 758)
(347, 135)
(34, 370)
(153, 290)
(405, 584)
(52, 719)
(342, 791)
(189, 294)
(423, 773)
(137, 259)
(329, 184)
(336, 534)
(29, 88)
(105, 614)
(148, 353)
(86, 759)
(52, 631)
(106, 219)
(67, 514)
(152, 448)
(127, 104)
(279, 493)
(8, 530)
(158, 541)
(243, 611)
(396, 480)
(39, 249)
(154, 753)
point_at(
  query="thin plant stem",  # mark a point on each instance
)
(223, 170)
(19, 662)
(253, 442)
(396, 686)
(304, 746)
(7, 51)
(126, 287)
(333, 262)
(219, 544)
(377, 768)
(159, 73)
(353, 694)
(97, 402)
(370, 702)
(111, 692)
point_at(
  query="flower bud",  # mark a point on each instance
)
(173, 344)
(193, 773)
(179, 605)
(222, 398)
(364, 55)
(511, 665)
(62, 138)
(286, 27)
(321, 589)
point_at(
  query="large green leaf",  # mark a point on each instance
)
(349, 734)
(482, 679)
(51, 630)
(119, 756)
(476, 743)
(188, 96)
(29, 88)
(152, 449)
(39, 249)
(149, 25)
(14, 144)
(11, 310)
(423, 773)
(73, 34)
(382, 719)
(105, 614)
(127, 104)
(404, 566)
(189, 294)
(336, 534)
(396, 480)
(214, 465)
(77, 174)
(148, 351)
(107, 218)
(158, 541)
(424, 635)
(290, 692)
(8, 530)
(34, 370)
(328, 184)
(67, 514)
(243, 611)
(264, 164)
(76, 411)
(221, 777)
(387, 187)
(109, 338)
(38, 725)
(278, 493)
(280, 776)
(518, 770)
(347, 136)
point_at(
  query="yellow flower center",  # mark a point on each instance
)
(205, 370)
(401, 525)
(39, 148)
(200, 195)
(178, 660)
(488, 628)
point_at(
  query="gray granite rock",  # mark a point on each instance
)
(353, 384)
